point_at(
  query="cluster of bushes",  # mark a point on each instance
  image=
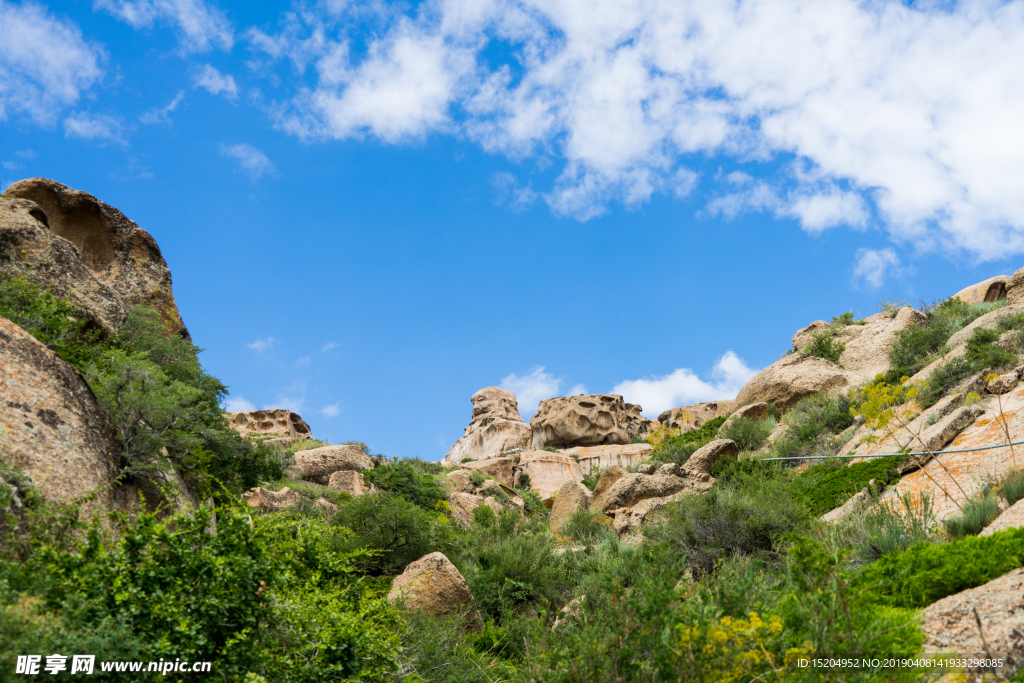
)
(813, 425)
(680, 447)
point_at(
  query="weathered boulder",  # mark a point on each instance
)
(608, 477)
(754, 411)
(326, 505)
(790, 379)
(547, 472)
(869, 345)
(600, 457)
(318, 464)
(686, 418)
(1011, 518)
(266, 499)
(495, 427)
(633, 488)
(945, 430)
(461, 506)
(629, 521)
(571, 496)
(805, 335)
(951, 624)
(593, 420)
(986, 291)
(507, 497)
(499, 468)
(647, 468)
(274, 421)
(434, 585)
(347, 481)
(81, 248)
(988, 321)
(704, 459)
(1004, 383)
(53, 428)
(459, 481)
(1015, 288)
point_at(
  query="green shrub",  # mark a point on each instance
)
(524, 482)
(534, 505)
(982, 353)
(477, 478)
(484, 517)
(977, 514)
(825, 345)
(584, 527)
(403, 479)
(439, 650)
(1012, 487)
(894, 526)
(747, 433)
(677, 449)
(925, 572)
(828, 485)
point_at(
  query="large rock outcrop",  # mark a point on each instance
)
(547, 472)
(686, 418)
(594, 420)
(53, 428)
(78, 246)
(571, 496)
(495, 427)
(591, 458)
(633, 488)
(272, 422)
(318, 464)
(434, 585)
(502, 469)
(790, 379)
(272, 501)
(986, 291)
(1015, 288)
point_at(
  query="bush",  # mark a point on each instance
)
(403, 479)
(484, 517)
(824, 345)
(814, 423)
(583, 526)
(439, 650)
(747, 433)
(977, 514)
(477, 478)
(982, 353)
(1012, 487)
(894, 527)
(925, 573)
(828, 485)
(678, 448)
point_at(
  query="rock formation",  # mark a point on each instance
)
(547, 472)
(594, 420)
(78, 246)
(499, 468)
(347, 481)
(279, 422)
(318, 464)
(590, 458)
(434, 585)
(693, 416)
(1015, 288)
(790, 379)
(571, 496)
(266, 499)
(494, 427)
(992, 289)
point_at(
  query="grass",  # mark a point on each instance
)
(1012, 487)
(893, 527)
(585, 526)
(978, 513)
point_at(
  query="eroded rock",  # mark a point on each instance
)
(986, 291)
(600, 457)
(434, 585)
(347, 481)
(499, 468)
(686, 418)
(790, 379)
(547, 472)
(594, 420)
(571, 496)
(274, 421)
(318, 464)
(706, 457)
(495, 427)
(272, 501)
(633, 488)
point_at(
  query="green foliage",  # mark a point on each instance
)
(524, 481)
(403, 479)
(678, 448)
(844, 319)
(981, 353)
(477, 478)
(1012, 487)
(925, 573)
(439, 650)
(893, 527)
(534, 505)
(484, 517)
(976, 515)
(747, 433)
(828, 485)
(585, 527)
(825, 345)
(814, 423)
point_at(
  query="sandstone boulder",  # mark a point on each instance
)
(461, 506)
(266, 499)
(347, 481)
(495, 427)
(571, 496)
(326, 505)
(499, 468)
(507, 497)
(686, 418)
(704, 459)
(592, 458)
(790, 379)
(633, 488)
(53, 428)
(459, 481)
(986, 291)
(318, 464)
(270, 422)
(647, 468)
(1011, 518)
(1015, 288)
(754, 411)
(868, 346)
(805, 335)
(547, 472)
(608, 477)
(945, 430)
(1004, 383)
(84, 249)
(629, 521)
(593, 420)
(434, 585)
(988, 321)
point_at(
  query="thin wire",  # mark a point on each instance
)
(892, 455)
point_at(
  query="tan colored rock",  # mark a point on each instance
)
(950, 624)
(1011, 518)
(508, 497)
(988, 321)
(686, 418)
(499, 468)
(459, 481)
(1010, 341)
(1004, 383)
(608, 477)
(591, 458)
(868, 346)
(547, 472)
(281, 442)
(629, 521)
(945, 430)
(754, 411)
(633, 488)
(647, 468)
(571, 496)
(318, 464)
(328, 507)
(804, 336)
(84, 249)
(52, 426)
(706, 457)
(790, 379)
(571, 610)
(1015, 288)
(461, 506)
(274, 421)
(434, 585)
(347, 481)
(986, 291)
(266, 499)
(594, 420)
(495, 427)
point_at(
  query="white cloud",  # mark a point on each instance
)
(292, 403)
(254, 163)
(901, 113)
(162, 114)
(304, 360)
(237, 404)
(97, 127)
(683, 386)
(331, 410)
(45, 63)
(577, 389)
(215, 82)
(531, 389)
(874, 264)
(329, 346)
(261, 345)
(199, 25)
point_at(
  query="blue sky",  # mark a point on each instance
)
(371, 210)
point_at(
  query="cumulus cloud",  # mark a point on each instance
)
(45, 63)
(292, 403)
(199, 26)
(261, 345)
(331, 410)
(872, 266)
(237, 403)
(254, 163)
(215, 82)
(96, 127)
(531, 389)
(900, 113)
(162, 114)
(683, 386)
